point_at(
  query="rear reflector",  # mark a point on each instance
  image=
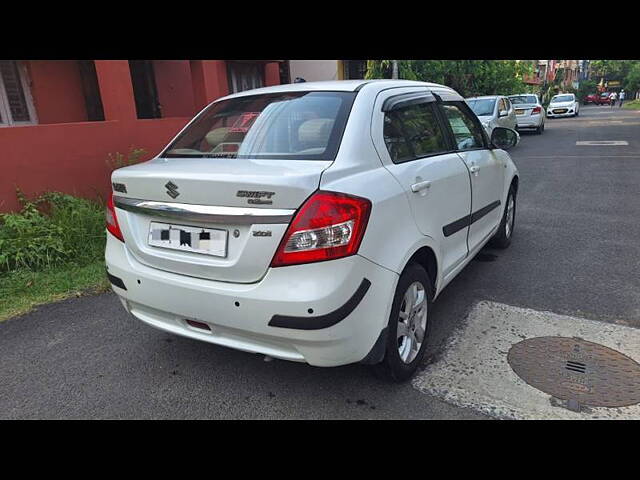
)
(200, 325)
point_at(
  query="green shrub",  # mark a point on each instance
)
(118, 160)
(51, 230)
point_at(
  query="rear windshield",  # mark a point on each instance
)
(292, 125)
(523, 99)
(562, 98)
(482, 107)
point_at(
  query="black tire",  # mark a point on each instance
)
(502, 238)
(392, 366)
(539, 130)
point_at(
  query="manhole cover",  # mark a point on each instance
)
(574, 369)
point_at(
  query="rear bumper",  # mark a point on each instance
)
(329, 313)
(529, 121)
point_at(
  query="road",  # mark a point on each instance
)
(575, 252)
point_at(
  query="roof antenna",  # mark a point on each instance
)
(299, 80)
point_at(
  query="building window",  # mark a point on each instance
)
(90, 90)
(355, 69)
(145, 92)
(285, 72)
(16, 105)
(245, 76)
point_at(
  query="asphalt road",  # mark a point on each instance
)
(575, 251)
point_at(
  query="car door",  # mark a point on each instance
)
(503, 113)
(486, 171)
(415, 147)
(512, 119)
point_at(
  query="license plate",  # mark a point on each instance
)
(208, 241)
(519, 111)
(561, 110)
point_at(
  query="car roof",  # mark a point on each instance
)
(337, 86)
(523, 94)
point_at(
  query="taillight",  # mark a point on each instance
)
(329, 225)
(112, 220)
(536, 110)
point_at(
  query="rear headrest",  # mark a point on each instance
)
(215, 136)
(315, 132)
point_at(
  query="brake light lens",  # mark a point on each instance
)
(536, 110)
(112, 221)
(329, 225)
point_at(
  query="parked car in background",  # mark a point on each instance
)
(529, 111)
(493, 111)
(563, 105)
(593, 98)
(604, 98)
(314, 222)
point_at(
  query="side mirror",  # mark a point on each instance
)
(503, 113)
(504, 138)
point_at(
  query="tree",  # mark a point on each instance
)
(467, 77)
(632, 80)
(586, 87)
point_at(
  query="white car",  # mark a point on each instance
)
(529, 111)
(563, 105)
(493, 111)
(313, 222)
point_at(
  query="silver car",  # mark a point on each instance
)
(493, 111)
(529, 111)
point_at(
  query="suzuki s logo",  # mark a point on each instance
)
(172, 189)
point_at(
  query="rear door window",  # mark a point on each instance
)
(413, 132)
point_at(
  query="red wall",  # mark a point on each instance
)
(175, 90)
(72, 157)
(57, 91)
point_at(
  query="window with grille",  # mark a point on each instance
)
(245, 76)
(16, 107)
(355, 69)
(145, 92)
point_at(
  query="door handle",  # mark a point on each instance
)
(417, 187)
(474, 169)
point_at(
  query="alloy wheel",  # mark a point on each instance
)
(412, 322)
(510, 216)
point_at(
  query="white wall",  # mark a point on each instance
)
(314, 70)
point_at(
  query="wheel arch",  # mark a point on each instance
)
(515, 182)
(426, 257)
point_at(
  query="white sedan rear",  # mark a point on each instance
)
(314, 222)
(529, 111)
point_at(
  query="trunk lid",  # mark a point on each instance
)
(251, 200)
(524, 109)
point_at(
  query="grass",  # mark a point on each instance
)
(631, 105)
(52, 249)
(22, 290)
